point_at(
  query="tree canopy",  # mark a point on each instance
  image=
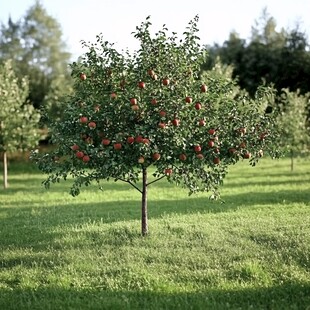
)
(151, 109)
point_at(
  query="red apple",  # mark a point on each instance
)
(151, 72)
(216, 160)
(232, 150)
(92, 125)
(198, 106)
(168, 171)
(202, 123)
(130, 140)
(141, 85)
(106, 141)
(166, 81)
(146, 141)
(74, 147)
(197, 148)
(86, 158)
(188, 99)
(211, 131)
(133, 101)
(154, 101)
(247, 155)
(162, 113)
(135, 107)
(200, 156)
(117, 146)
(83, 119)
(156, 156)
(176, 122)
(139, 139)
(210, 143)
(113, 96)
(182, 157)
(203, 88)
(83, 76)
(79, 154)
(162, 125)
(141, 160)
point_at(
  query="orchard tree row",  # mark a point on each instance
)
(34, 76)
(18, 118)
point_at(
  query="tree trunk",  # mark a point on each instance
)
(292, 160)
(144, 223)
(5, 170)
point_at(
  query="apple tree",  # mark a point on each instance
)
(18, 121)
(294, 123)
(132, 113)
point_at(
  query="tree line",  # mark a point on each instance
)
(281, 58)
(278, 58)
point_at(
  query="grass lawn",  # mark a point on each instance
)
(251, 252)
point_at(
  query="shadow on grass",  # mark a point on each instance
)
(187, 205)
(268, 176)
(285, 296)
(75, 212)
(39, 226)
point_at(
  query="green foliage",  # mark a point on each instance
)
(18, 121)
(35, 45)
(281, 58)
(127, 108)
(293, 119)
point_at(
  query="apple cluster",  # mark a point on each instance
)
(154, 125)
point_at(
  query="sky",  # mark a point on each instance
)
(117, 19)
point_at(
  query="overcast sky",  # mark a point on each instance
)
(116, 19)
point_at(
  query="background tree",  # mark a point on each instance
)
(281, 58)
(35, 45)
(18, 121)
(294, 121)
(150, 111)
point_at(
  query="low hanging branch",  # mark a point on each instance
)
(132, 184)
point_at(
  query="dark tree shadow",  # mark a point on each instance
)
(281, 297)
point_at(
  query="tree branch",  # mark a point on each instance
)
(155, 180)
(132, 184)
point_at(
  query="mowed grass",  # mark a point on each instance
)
(251, 252)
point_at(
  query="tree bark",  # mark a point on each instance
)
(5, 170)
(144, 224)
(292, 160)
